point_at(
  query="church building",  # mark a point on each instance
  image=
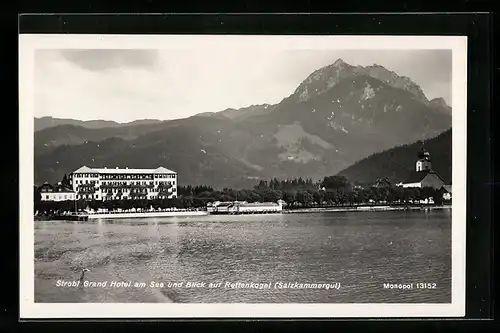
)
(423, 176)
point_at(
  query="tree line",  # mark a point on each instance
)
(297, 193)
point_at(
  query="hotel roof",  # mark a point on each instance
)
(58, 188)
(85, 169)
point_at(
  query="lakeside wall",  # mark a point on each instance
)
(120, 215)
(363, 209)
(145, 214)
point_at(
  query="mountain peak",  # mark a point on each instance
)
(438, 101)
(339, 62)
(440, 104)
(326, 77)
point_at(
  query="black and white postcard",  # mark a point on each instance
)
(195, 176)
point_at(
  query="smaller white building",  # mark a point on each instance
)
(447, 192)
(57, 192)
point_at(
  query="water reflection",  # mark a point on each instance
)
(360, 250)
(101, 227)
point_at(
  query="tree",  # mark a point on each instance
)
(205, 194)
(427, 192)
(37, 196)
(413, 193)
(341, 196)
(184, 202)
(351, 197)
(330, 196)
(335, 182)
(243, 195)
(271, 195)
(359, 196)
(95, 204)
(289, 196)
(262, 185)
(65, 181)
(438, 197)
(254, 196)
(108, 204)
(319, 197)
(226, 197)
(305, 198)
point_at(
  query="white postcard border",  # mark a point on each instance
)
(29, 309)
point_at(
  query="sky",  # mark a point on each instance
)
(126, 85)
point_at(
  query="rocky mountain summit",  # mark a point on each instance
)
(327, 77)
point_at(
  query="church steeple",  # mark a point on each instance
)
(423, 161)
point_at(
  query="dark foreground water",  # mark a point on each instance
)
(360, 251)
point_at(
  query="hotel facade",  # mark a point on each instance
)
(123, 184)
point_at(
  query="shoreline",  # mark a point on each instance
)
(362, 209)
(146, 214)
(205, 213)
(94, 216)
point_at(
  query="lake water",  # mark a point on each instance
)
(360, 251)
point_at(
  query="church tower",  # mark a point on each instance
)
(424, 161)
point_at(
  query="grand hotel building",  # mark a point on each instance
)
(121, 184)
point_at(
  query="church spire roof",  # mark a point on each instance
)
(424, 155)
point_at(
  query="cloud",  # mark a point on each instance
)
(102, 59)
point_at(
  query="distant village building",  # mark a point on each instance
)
(423, 176)
(57, 192)
(121, 184)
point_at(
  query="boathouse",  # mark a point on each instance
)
(243, 207)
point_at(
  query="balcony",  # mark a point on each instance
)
(126, 186)
(138, 196)
(85, 190)
(164, 192)
(138, 192)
